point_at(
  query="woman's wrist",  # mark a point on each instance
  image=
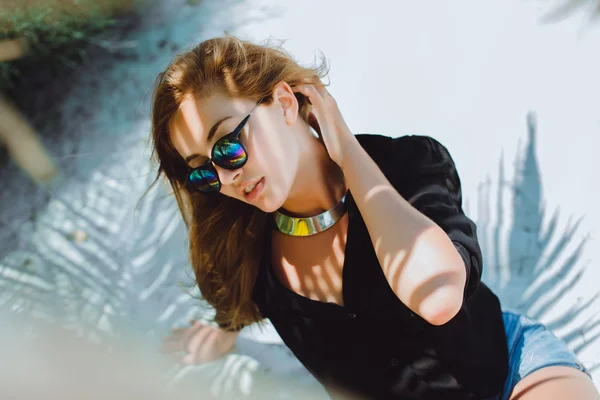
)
(227, 327)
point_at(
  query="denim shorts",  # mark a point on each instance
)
(531, 346)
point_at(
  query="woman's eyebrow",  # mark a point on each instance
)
(209, 138)
(213, 130)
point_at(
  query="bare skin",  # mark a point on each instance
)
(200, 343)
(315, 274)
(556, 383)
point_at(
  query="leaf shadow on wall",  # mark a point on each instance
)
(541, 265)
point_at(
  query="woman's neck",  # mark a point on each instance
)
(319, 183)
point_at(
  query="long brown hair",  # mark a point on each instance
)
(226, 235)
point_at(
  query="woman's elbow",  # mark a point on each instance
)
(442, 305)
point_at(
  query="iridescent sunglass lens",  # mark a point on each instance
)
(205, 180)
(228, 153)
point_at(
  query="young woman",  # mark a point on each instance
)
(356, 247)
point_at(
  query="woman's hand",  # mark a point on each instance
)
(200, 343)
(335, 133)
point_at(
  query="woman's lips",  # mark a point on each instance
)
(254, 193)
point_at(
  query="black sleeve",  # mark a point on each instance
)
(425, 175)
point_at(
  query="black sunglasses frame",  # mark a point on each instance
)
(233, 136)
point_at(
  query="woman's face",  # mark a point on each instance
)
(273, 155)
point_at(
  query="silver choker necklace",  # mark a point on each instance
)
(308, 226)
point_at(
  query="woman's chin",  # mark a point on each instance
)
(269, 206)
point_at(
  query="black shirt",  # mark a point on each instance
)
(374, 345)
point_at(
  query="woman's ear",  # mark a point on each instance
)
(286, 98)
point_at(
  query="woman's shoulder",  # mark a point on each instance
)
(408, 151)
(381, 144)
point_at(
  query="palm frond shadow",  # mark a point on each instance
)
(541, 267)
(117, 270)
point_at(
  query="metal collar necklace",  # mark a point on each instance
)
(308, 226)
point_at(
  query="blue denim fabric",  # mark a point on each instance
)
(531, 346)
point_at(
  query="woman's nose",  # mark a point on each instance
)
(228, 176)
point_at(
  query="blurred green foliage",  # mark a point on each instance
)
(55, 30)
